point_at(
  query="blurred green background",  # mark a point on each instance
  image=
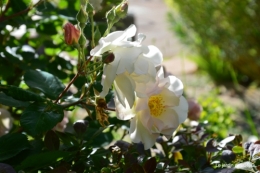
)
(224, 36)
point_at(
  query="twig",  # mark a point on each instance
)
(111, 109)
(80, 101)
(68, 86)
(3, 18)
(83, 103)
(6, 8)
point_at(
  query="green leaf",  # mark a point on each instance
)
(43, 159)
(68, 139)
(12, 144)
(50, 85)
(9, 101)
(51, 140)
(237, 149)
(19, 93)
(38, 118)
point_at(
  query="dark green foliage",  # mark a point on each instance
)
(50, 85)
(12, 144)
(37, 118)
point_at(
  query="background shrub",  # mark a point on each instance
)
(225, 34)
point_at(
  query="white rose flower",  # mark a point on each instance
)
(160, 113)
(132, 61)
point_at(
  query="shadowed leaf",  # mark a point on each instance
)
(38, 118)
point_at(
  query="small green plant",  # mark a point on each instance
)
(217, 115)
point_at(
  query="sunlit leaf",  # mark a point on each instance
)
(237, 149)
(49, 84)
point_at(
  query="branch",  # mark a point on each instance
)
(81, 101)
(67, 87)
(3, 18)
(111, 109)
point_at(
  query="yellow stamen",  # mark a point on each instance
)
(156, 105)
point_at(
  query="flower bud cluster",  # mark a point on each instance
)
(117, 13)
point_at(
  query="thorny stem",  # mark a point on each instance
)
(71, 82)
(3, 18)
(92, 31)
(110, 109)
(68, 86)
(81, 101)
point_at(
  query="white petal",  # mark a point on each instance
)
(120, 96)
(170, 118)
(113, 36)
(160, 73)
(182, 109)
(145, 118)
(140, 37)
(127, 58)
(138, 133)
(123, 113)
(175, 85)
(127, 87)
(169, 98)
(156, 125)
(168, 132)
(141, 65)
(141, 104)
(131, 30)
(154, 54)
(109, 74)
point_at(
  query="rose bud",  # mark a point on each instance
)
(108, 58)
(71, 34)
(194, 110)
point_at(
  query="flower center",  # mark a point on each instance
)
(156, 105)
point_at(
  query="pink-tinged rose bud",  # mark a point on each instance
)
(194, 110)
(124, 7)
(71, 34)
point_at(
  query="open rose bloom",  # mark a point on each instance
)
(131, 60)
(159, 113)
(153, 104)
